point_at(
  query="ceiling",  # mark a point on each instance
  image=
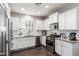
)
(44, 9)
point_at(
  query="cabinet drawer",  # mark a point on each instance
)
(66, 44)
(58, 50)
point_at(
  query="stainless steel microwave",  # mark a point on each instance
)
(53, 26)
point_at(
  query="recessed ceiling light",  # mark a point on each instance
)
(22, 9)
(46, 6)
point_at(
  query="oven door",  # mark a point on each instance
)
(50, 43)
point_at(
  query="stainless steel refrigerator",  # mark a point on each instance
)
(2, 43)
(3, 32)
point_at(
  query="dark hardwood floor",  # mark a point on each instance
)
(37, 51)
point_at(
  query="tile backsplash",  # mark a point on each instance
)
(65, 33)
(25, 33)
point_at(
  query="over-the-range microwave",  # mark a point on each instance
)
(53, 26)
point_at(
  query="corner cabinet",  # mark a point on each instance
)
(69, 20)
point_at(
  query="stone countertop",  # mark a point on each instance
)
(25, 36)
(66, 40)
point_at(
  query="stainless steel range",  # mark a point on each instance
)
(50, 42)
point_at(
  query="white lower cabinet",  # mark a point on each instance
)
(25, 42)
(20, 43)
(58, 46)
(66, 48)
(43, 40)
(14, 44)
(66, 51)
(58, 49)
(31, 41)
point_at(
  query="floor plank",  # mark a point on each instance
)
(38, 51)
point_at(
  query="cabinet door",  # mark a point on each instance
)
(62, 21)
(15, 22)
(66, 51)
(58, 47)
(26, 42)
(2, 17)
(20, 43)
(50, 19)
(46, 24)
(71, 19)
(39, 24)
(55, 17)
(14, 44)
(31, 41)
(44, 40)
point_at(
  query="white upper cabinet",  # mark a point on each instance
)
(46, 24)
(69, 20)
(39, 24)
(2, 19)
(15, 22)
(62, 21)
(72, 19)
(53, 18)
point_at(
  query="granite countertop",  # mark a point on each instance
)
(66, 40)
(26, 36)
